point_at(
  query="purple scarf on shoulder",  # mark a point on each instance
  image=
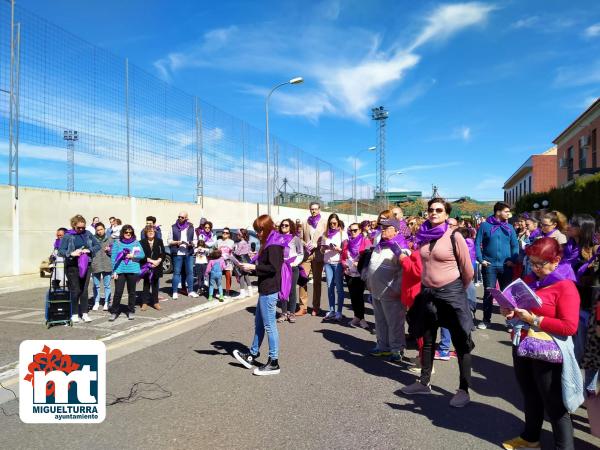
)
(331, 233)
(57, 243)
(498, 224)
(562, 272)
(83, 262)
(585, 266)
(427, 233)
(535, 234)
(282, 240)
(354, 244)
(208, 236)
(182, 226)
(570, 252)
(396, 244)
(314, 220)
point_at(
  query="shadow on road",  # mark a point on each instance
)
(227, 346)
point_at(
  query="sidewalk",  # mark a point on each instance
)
(19, 283)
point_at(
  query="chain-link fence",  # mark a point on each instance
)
(138, 135)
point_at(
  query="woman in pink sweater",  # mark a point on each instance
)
(447, 272)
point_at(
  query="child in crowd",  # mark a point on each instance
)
(200, 263)
(214, 272)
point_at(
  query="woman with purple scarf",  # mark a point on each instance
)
(550, 383)
(356, 244)
(268, 266)
(330, 245)
(78, 247)
(293, 256)
(126, 255)
(447, 273)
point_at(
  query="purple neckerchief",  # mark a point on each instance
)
(549, 233)
(121, 256)
(354, 244)
(570, 252)
(207, 235)
(331, 233)
(585, 265)
(275, 238)
(127, 240)
(313, 221)
(535, 234)
(83, 263)
(427, 233)
(57, 243)
(182, 226)
(73, 232)
(147, 270)
(562, 272)
(374, 233)
(404, 230)
(496, 224)
(396, 244)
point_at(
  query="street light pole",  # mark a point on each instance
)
(296, 80)
(387, 197)
(354, 190)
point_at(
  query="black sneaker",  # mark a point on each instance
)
(112, 318)
(270, 368)
(130, 316)
(248, 360)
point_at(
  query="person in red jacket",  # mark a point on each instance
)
(353, 247)
(540, 381)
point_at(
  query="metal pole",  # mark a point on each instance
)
(354, 194)
(127, 124)
(17, 108)
(243, 162)
(11, 94)
(199, 193)
(268, 155)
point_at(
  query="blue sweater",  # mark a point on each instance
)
(496, 248)
(133, 266)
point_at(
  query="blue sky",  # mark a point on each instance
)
(472, 88)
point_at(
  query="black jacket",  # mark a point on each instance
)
(268, 270)
(157, 251)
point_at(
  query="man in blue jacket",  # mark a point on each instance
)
(497, 251)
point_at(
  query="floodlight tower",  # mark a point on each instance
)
(70, 136)
(380, 115)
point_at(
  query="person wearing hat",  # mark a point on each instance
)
(384, 280)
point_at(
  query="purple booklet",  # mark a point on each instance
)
(516, 295)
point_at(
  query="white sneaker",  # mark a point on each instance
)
(193, 294)
(86, 318)
(329, 315)
(242, 293)
(106, 306)
(174, 296)
(74, 318)
(96, 307)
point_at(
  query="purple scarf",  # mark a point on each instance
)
(562, 272)
(182, 226)
(207, 235)
(314, 220)
(127, 240)
(427, 233)
(354, 245)
(57, 243)
(585, 266)
(374, 233)
(83, 263)
(570, 252)
(549, 233)
(496, 224)
(74, 232)
(121, 257)
(535, 234)
(147, 270)
(396, 244)
(331, 233)
(283, 240)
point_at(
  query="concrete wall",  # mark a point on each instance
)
(27, 226)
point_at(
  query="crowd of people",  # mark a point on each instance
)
(419, 272)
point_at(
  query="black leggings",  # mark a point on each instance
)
(356, 287)
(150, 299)
(131, 280)
(540, 384)
(78, 289)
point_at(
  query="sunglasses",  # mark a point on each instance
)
(226, 232)
(80, 228)
(333, 224)
(181, 217)
(285, 225)
(436, 210)
(353, 230)
(127, 232)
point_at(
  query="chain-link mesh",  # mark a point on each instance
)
(175, 145)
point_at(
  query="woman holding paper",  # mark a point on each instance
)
(543, 366)
(331, 244)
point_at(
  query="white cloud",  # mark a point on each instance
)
(575, 76)
(349, 67)
(592, 31)
(464, 133)
(526, 22)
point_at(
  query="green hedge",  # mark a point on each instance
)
(583, 196)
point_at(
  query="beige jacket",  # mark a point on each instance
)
(321, 228)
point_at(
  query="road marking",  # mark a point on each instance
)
(9, 312)
(29, 314)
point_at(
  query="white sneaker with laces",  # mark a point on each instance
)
(74, 318)
(96, 307)
(193, 294)
(86, 318)
(174, 296)
(106, 306)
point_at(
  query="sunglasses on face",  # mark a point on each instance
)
(80, 228)
(354, 230)
(127, 232)
(285, 225)
(181, 217)
(225, 232)
(436, 210)
(546, 225)
(333, 224)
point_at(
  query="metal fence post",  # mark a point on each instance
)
(127, 124)
(199, 154)
(243, 162)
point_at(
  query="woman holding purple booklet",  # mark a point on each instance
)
(543, 356)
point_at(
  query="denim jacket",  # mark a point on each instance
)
(67, 246)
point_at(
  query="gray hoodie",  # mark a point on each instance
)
(102, 262)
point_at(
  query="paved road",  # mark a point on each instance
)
(328, 395)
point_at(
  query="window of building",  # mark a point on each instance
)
(582, 156)
(570, 157)
(529, 184)
(594, 157)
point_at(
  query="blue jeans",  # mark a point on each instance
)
(264, 320)
(477, 271)
(335, 282)
(215, 282)
(472, 296)
(105, 278)
(491, 274)
(444, 340)
(178, 262)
